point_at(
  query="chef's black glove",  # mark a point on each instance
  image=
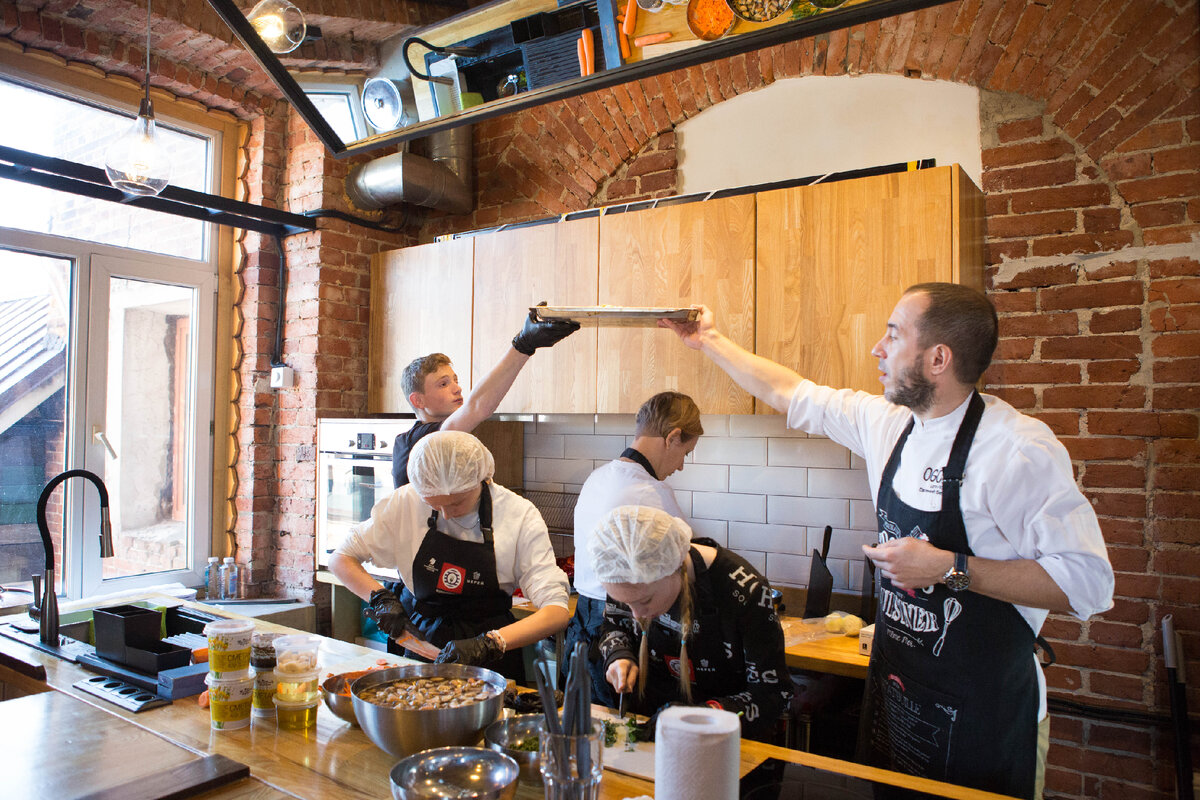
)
(388, 613)
(475, 652)
(542, 333)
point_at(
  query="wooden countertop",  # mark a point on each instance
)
(333, 760)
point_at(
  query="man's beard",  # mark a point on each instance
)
(913, 390)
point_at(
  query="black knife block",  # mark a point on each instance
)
(118, 628)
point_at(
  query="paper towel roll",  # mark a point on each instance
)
(696, 754)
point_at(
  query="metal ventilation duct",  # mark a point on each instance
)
(444, 180)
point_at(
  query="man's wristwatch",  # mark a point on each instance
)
(957, 578)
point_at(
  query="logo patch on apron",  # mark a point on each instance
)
(452, 579)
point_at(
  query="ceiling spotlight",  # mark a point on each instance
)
(279, 23)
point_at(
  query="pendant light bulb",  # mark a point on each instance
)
(136, 162)
(279, 23)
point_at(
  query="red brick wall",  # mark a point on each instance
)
(1093, 209)
(1093, 205)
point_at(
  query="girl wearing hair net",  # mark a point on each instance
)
(462, 544)
(687, 621)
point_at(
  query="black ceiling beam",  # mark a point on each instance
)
(82, 179)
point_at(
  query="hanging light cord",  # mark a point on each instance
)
(149, 110)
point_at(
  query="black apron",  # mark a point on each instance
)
(951, 691)
(456, 593)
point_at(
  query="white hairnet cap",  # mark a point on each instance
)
(638, 544)
(449, 462)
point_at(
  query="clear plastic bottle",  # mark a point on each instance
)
(212, 577)
(228, 579)
(243, 584)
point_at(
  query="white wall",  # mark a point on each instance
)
(751, 484)
(799, 127)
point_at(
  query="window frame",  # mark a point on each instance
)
(41, 70)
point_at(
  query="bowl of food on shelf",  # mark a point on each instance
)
(709, 19)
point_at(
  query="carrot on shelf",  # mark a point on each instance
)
(589, 52)
(651, 38)
(623, 41)
(629, 24)
(582, 57)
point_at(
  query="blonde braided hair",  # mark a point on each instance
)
(685, 624)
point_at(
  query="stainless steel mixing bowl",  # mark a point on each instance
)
(402, 732)
(505, 736)
(470, 773)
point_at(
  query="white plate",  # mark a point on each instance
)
(612, 315)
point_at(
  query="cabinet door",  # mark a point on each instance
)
(420, 304)
(833, 259)
(517, 269)
(672, 257)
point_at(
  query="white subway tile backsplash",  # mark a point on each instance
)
(845, 544)
(752, 485)
(768, 480)
(848, 483)
(732, 507)
(811, 511)
(785, 569)
(857, 461)
(615, 424)
(700, 477)
(762, 425)
(544, 445)
(595, 447)
(840, 570)
(810, 452)
(862, 515)
(717, 529)
(563, 470)
(566, 423)
(768, 538)
(684, 500)
(751, 452)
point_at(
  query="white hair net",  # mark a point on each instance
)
(638, 544)
(449, 462)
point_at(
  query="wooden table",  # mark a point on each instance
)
(835, 654)
(332, 760)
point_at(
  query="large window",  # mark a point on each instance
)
(106, 360)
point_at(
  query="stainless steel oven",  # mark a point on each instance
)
(354, 471)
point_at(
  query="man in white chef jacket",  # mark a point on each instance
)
(982, 532)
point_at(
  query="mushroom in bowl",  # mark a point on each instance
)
(404, 710)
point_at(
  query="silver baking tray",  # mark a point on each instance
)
(615, 315)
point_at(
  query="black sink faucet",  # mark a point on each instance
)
(48, 631)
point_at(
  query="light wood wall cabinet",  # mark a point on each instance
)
(420, 304)
(517, 269)
(675, 256)
(834, 258)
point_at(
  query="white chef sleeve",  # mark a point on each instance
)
(1039, 508)
(534, 567)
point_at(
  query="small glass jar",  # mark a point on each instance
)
(296, 687)
(295, 716)
(262, 650)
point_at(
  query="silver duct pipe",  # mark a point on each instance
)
(444, 181)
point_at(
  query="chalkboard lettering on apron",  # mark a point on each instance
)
(951, 690)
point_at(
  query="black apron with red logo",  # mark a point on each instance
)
(455, 592)
(952, 692)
